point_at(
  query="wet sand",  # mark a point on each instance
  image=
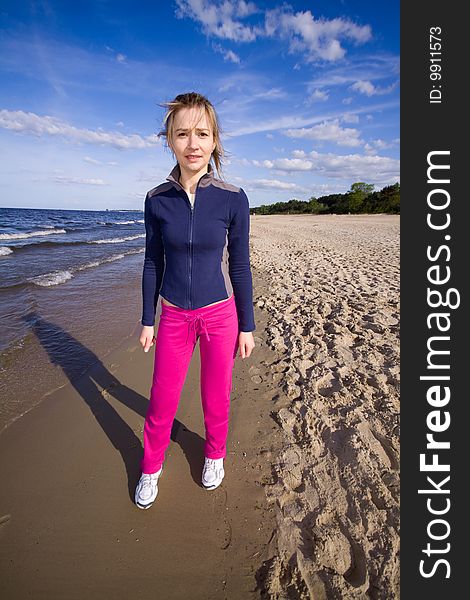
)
(309, 507)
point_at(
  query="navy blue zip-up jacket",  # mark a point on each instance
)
(195, 256)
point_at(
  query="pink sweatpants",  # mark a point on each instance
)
(178, 330)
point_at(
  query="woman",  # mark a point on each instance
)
(197, 259)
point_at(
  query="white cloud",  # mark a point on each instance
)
(319, 95)
(325, 189)
(92, 161)
(285, 164)
(381, 144)
(317, 39)
(231, 56)
(220, 19)
(228, 55)
(76, 180)
(350, 118)
(242, 161)
(272, 93)
(120, 57)
(365, 87)
(307, 191)
(363, 68)
(295, 121)
(375, 169)
(275, 184)
(146, 176)
(328, 131)
(33, 124)
(369, 89)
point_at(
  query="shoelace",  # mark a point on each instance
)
(210, 464)
(148, 479)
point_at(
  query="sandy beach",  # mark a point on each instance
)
(309, 507)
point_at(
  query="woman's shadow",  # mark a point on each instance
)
(54, 339)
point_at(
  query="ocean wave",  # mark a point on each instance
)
(51, 278)
(64, 242)
(120, 222)
(117, 240)
(58, 277)
(21, 236)
(46, 244)
(4, 250)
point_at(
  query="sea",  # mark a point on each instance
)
(70, 293)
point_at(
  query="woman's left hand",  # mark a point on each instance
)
(246, 343)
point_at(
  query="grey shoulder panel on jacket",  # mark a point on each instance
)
(163, 187)
(218, 183)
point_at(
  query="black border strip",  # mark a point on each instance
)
(433, 271)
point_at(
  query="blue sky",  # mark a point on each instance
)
(307, 95)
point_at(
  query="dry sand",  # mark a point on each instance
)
(333, 304)
(309, 507)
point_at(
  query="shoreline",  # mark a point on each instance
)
(69, 382)
(68, 327)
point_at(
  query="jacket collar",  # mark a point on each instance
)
(175, 173)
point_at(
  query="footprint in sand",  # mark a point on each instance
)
(255, 375)
(328, 385)
(379, 445)
(4, 520)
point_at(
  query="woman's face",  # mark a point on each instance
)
(193, 140)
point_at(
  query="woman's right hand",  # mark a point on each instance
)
(147, 337)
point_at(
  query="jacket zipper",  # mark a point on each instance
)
(193, 209)
(191, 217)
(190, 242)
(191, 247)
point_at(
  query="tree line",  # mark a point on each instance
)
(361, 198)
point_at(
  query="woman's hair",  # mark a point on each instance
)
(190, 100)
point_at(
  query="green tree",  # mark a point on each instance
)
(357, 194)
(315, 207)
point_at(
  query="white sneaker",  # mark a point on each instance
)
(147, 489)
(212, 473)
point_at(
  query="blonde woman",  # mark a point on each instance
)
(197, 260)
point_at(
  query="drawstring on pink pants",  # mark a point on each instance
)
(193, 321)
